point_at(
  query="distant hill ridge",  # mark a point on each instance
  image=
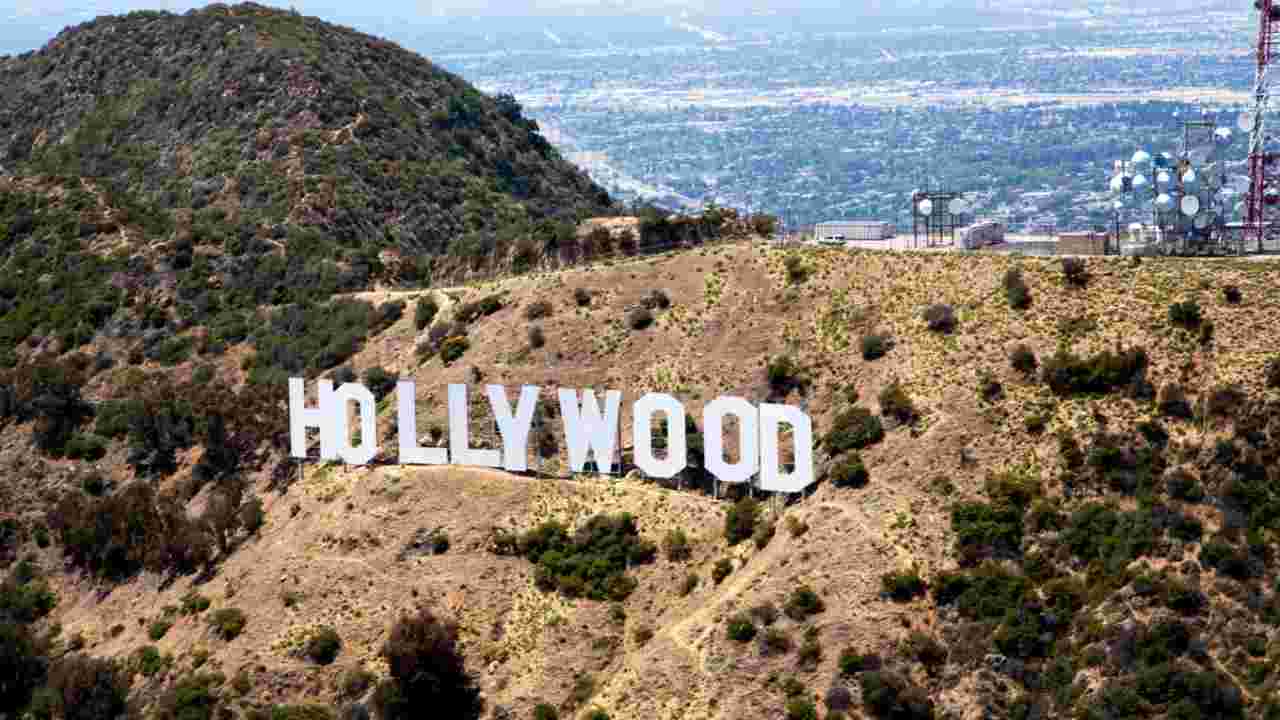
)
(230, 119)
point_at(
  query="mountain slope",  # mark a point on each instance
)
(1063, 542)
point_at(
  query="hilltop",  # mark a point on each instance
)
(231, 123)
(1067, 509)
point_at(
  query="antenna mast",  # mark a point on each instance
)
(1261, 177)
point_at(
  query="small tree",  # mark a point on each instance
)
(424, 312)
(426, 670)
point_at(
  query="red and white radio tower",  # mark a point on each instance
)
(1264, 174)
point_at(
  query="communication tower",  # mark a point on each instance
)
(1264, 167)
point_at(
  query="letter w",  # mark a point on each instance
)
(585, 430)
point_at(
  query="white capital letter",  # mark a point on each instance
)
(459, 453)
(410, 452)
(585, 430)
(642, 435)
(713, 435)
(302, 417)
(368, 447)
(771, 416)
(514, 431)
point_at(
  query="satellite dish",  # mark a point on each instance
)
(1117, 205)
(1222, 136)
(957, 206)
(1163, 201)
(1189, 177)
(1140, 157)
(1239, 208)
(1139, 181)
(1117, 183)
(1135, 226)
(925, 207)
(1163, 178)
(1245, 121)
(1190, 205)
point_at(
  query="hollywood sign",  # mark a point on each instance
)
(588, 429)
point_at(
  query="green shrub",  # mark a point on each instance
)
(1273, 373)
(902, 586)
(983, 528)
(797, 271)
(853, 429)
(722, 568)
(987, 593)
(1067, 374)
(323, 645)
(1185, 314)
(453, 348)
(301, 712)
(1016, 290)
(193, 603)
(740, 520)
(202, 374)
(801, 709)
(810, 653)
(852, 662)
(592, 562)
(472, 311)
(802, 603)
(424, 312)
(764, 533)
(774, 642)
(228, 623)
(895, 403)
(149, 661)
(84, 446)
(888, 696)
(380, 382)
(582, 297)
(543, 711)
(192, 698)
(676, 545)
(785, 375)
(740, 628)
(849, 471)
(940, 318)
(875, 346)
(1231, 294)
(158, 629)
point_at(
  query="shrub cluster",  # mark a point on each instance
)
(785, 375)
(1067, 374)
(849, 471)
(896, 404)
(592, 562)
(854, 428)
(1186, 314)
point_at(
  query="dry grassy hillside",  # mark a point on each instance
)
(344, 547)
